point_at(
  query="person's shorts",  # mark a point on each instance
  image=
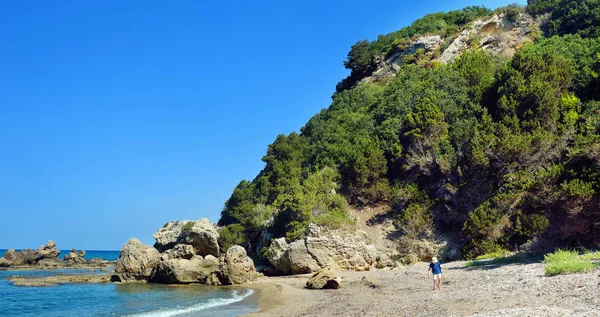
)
(437, 277)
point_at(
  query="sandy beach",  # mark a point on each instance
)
(504, 290)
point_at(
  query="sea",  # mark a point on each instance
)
(139, 300)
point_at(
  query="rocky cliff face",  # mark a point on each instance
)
(497, 35)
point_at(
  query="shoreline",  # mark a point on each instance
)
(485, 291)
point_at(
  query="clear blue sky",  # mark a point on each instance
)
(118, 116)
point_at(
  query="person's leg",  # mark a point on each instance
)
(439, 281)
(433, 283)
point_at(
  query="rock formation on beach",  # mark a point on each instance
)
(136, 262)
(318, 250)
(184, 252)
(201, 234)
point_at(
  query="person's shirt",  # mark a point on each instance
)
(435, 268)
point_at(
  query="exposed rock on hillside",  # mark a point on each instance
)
(136, 262)
(497, 35)
(316, 251)
(201, 234)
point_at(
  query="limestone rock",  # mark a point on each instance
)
(180, 251)
(99, 262)
(50, 263)
(278, 257)
(458, 46)
(237, 267)
(323, 279)
(319, 250)
(48, 251)
(428, 43)
(201, 234)
(13, 258)
(75, 257)
(301, 261)
(184, 271)
(136, 262)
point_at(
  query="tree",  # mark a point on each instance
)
(360, 59)
(576, 17)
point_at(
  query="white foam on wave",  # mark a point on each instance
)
(215, 302)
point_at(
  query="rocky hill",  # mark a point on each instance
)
(469, 132)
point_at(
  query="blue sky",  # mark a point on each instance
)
(118, 116)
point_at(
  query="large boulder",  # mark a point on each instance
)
(184, 271)
(136, 262)
(278, 256)
(237, 267)
(201, 234)
(318, 250)
(300, 260)
(323, 279)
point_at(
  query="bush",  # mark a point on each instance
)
(496, 261)
(511, 12)
(494, 255)
(591, 256)
(187, 227)
(231, 235)
(566, 262)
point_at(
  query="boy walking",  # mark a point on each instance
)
(436, 269)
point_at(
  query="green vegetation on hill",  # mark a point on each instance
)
(501, 153)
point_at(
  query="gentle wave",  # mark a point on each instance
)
(237, 297)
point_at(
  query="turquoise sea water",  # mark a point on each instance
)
(151, 300)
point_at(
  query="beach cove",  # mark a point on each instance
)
(481, 291)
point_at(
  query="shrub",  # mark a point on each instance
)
(566, 262)
(500, 260)
(511, 12)
(494, 255)
(231, 235)
(591, 256)
(187, 227)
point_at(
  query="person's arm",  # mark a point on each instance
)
(429, 271)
